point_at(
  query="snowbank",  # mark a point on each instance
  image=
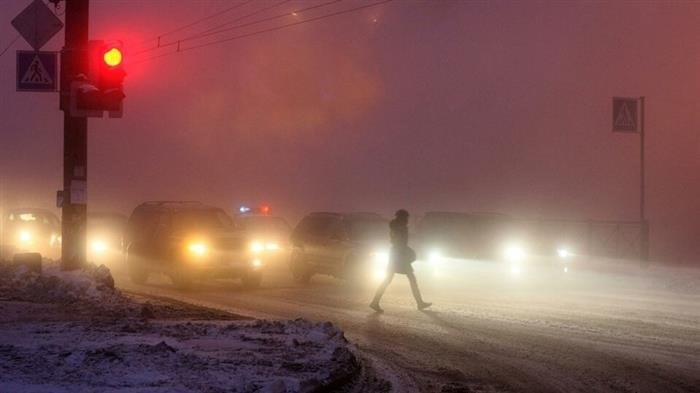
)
(45, 346)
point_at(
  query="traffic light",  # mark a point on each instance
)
(102, 89)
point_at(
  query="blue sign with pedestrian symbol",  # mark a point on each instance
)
(37, 71)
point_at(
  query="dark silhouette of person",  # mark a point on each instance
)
(400, 259)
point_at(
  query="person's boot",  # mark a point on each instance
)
(375, 306)
(424, 305)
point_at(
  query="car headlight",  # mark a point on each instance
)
(380, 258)
(98, 246)
(514, 252)
(434, 256)
(257, 263)
(25, 237)
(199, 249)
(256, 247)
(564, 252)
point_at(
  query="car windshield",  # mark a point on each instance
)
(364, 230)
(24, 217)
(264, 224)
(202, 219)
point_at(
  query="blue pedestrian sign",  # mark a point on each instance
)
(37, 71)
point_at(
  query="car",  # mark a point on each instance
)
(266, 233)
(105, 236)
(490, 237)
(30, 230)
(343, 245)
(190, 242)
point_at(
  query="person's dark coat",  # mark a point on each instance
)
(401, 255)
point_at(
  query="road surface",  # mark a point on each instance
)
(622, 330)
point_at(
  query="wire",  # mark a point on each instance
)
(210, 16)
(210, 32)
(10, 45)
(246, 16)
(263, 31)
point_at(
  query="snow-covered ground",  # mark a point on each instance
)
(73, 332)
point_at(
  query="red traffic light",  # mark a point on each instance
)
(112, 57)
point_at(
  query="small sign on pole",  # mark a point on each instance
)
(625, 118)
(37, 71)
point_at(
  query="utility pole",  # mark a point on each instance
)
(74, 61)
(644, 241)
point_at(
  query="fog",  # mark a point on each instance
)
(427, 105)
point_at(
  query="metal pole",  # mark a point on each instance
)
(644, 240)
(74, 61)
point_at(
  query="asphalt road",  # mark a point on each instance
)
(621, 330)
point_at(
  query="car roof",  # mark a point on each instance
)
(349, 215)
(174, 205)
(30, 210)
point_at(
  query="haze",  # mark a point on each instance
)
(427, 105)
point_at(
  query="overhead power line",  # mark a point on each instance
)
(276, 28)
(210, 16)
(211, 32)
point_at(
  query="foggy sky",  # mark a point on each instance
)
(438, 105)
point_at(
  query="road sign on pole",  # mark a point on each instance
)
(625, 114)
(37, 24)
(37, 71)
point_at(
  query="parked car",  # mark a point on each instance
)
(342, 245)
(188, 241)
(30, 230)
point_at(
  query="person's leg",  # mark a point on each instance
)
(416, 292)
(380, 291)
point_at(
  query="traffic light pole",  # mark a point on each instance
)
(74, 61)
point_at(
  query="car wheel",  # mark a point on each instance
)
(252, 280)
(181, 279)
(301, 271)
(137, 273)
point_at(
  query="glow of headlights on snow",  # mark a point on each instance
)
(514, 252)
(25, 236)
(98, 246)
(256, 247)
(197, 248)
(381, 263)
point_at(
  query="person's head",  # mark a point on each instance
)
(402, 215)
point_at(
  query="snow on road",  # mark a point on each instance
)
(611, 329)
(73, 332)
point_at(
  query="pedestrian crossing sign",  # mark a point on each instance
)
(625, 114)
(37, 71)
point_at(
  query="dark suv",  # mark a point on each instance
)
(188, 241)
(339, 244)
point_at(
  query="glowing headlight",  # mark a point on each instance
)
(563, 252)
(25, 236)
(256, 263)
(434, 256)
(514, 252)
(98, 246)
(380, 258)
(272, 246)
(256, 247)
(197, 248)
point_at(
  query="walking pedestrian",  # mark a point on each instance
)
(400, 259)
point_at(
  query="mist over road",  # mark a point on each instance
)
(621, 330)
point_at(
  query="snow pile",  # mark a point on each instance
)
(74, 332)
(93, 284)
(262, 356)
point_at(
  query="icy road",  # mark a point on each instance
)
(622, 329)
